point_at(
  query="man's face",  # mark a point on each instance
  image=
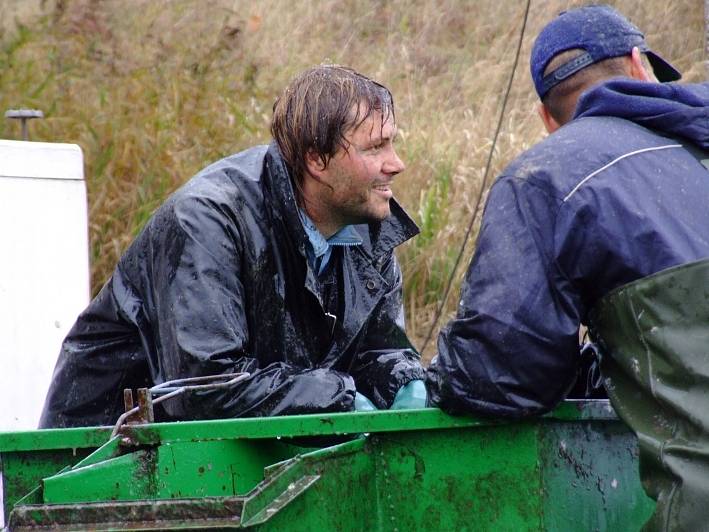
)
(361, 176)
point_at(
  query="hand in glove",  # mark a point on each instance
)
(363, 404)
(413, 395)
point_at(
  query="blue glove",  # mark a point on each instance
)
(362, 404)
(413, 395)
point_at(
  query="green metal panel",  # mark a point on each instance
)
(212, 468)
(283, 427)
(344, 496)
(52, 439)
(441, 481)
(417, 470)
(589, 483)
(290, 427)
(27, 457)
(219, 467)
(438, 481)
(23, 470)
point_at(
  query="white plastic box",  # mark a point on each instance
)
(44, 269)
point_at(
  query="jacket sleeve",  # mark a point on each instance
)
(199, 305)
(386, 360)
(512, 349)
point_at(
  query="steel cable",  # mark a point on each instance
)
(483, 186)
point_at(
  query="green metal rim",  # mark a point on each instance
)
(283, 426)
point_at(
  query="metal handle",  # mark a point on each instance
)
(168, 390)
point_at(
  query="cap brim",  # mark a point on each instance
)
(662, 69)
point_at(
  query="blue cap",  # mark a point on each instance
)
(599, 30)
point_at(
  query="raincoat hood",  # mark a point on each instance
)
(667, 108)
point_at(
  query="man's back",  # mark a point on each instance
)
(628, 201)
(600, 203)
(612, 196)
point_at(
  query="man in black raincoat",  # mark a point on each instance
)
(277, 261)
(617, 192)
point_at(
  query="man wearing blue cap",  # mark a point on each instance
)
(604, 223)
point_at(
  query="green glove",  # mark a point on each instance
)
(413, 395)
(363, 404)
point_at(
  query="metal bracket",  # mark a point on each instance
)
(147, 397)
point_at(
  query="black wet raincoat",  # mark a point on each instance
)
(218, 282)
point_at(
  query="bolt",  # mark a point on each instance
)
(23, 115)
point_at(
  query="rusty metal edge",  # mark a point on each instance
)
(206, 512)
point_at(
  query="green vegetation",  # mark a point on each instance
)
(153, 90)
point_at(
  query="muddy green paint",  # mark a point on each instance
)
(420, 470)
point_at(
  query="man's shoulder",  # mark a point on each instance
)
(580, 148)
(227, 195)
(226, 179)
(247, 164)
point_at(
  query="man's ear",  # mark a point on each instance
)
(637, 68)
(549, 121)
(314, 165)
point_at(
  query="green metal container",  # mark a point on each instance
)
(575, 469)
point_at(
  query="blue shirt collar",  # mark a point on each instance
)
(320, 250)
(318, 243)
(347, 236)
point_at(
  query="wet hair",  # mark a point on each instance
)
(561, 99)
(318, 108)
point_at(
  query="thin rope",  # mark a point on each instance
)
(483, 186)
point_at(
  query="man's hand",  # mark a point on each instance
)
(413, 395)
(362, 404)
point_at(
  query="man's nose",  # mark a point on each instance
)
(393, 164)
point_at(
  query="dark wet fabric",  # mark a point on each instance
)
(218, 282)
(670, 108)
(589, 381)
(607, 199)
(654, 343)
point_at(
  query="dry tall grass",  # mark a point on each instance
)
(153, 90)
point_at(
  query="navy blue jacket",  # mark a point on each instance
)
(611, 197)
